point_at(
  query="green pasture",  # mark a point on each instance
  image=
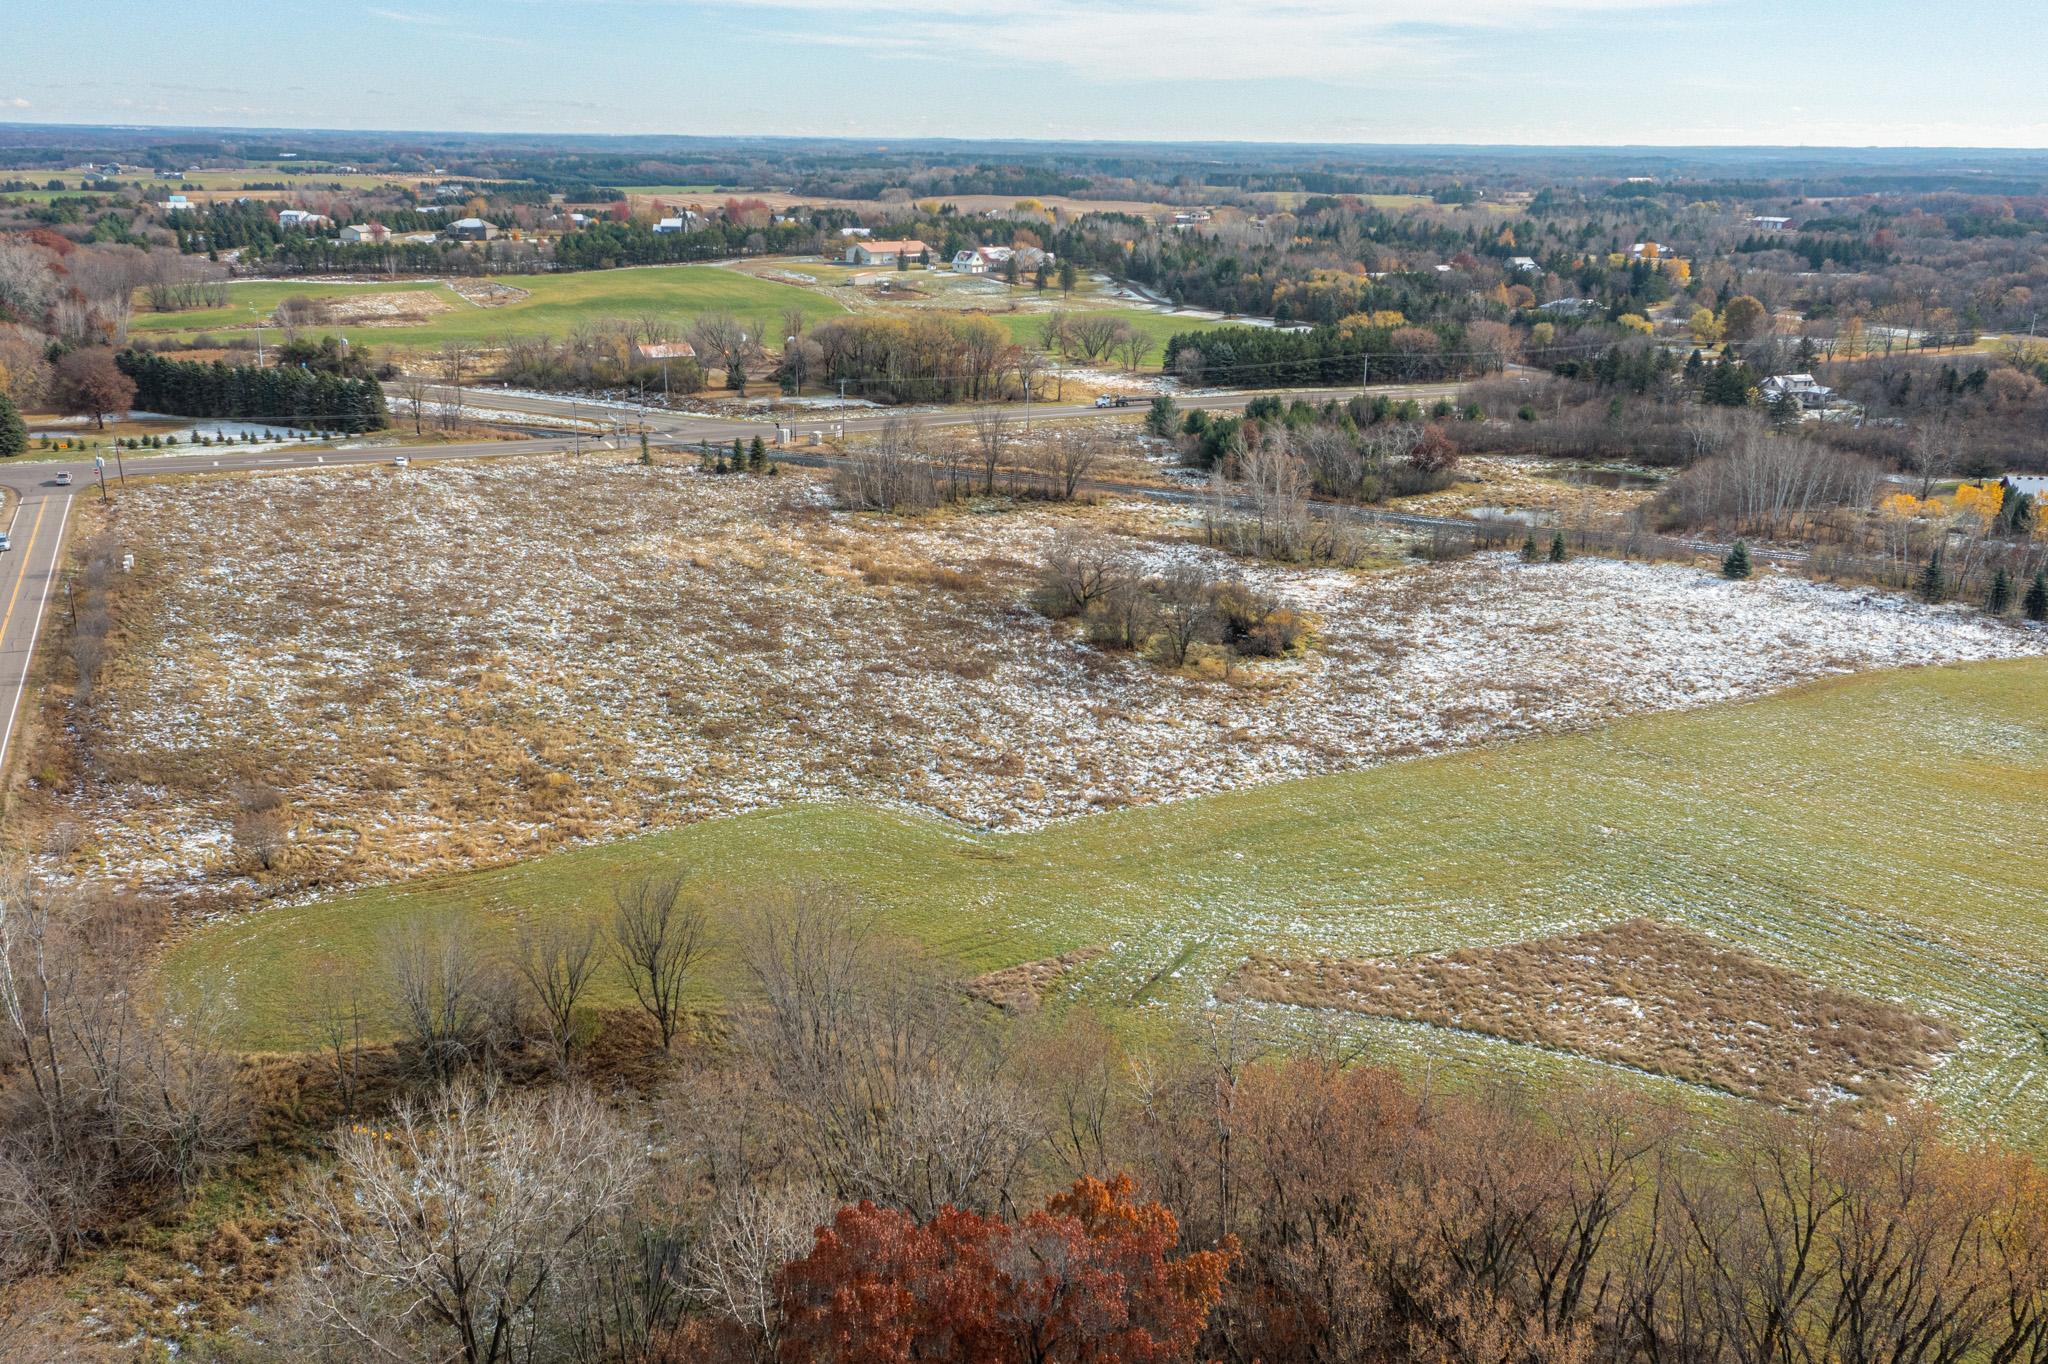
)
(553, 304)
(1878, 833)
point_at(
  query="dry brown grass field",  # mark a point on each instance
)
(336, 678)
(1645, 994)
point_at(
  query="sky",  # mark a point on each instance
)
(1668, 72)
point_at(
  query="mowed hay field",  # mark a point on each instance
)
(1870, 834)
(552, 304)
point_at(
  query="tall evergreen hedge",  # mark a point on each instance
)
(303, 398)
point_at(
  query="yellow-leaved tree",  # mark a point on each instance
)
(1982, 501)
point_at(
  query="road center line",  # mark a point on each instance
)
(26, 551)
(28, 655)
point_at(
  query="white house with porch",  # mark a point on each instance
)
(1810, 393)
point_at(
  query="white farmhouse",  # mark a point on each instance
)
(1811, 394)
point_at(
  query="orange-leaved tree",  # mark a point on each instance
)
(1089, 1279)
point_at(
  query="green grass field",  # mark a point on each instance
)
(1878, 833)
(555, 304)
(253, 303)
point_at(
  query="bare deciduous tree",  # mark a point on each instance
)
(100, 1097)
(452, 1232)
(557, 962)
(896, 472)
(1079, 569)
(898, 1090)
(340, 1015)
(417, 393)
(990, 438)
(447, 1004)
(1184, 614)
(751, 1235)
(1274, 495)
(657, 938)
(1069, 456)
(184, 1105)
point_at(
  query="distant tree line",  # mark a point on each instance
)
(1264, 357)
(287, 397)
(221, 227)
(603, 246)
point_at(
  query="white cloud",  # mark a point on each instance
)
(1344, 42)
(397, 16)
(17, 103)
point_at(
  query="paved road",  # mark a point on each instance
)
(26, 580)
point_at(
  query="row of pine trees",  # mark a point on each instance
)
(304, 398)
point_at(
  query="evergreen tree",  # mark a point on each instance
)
(13, 431)
(1530, 554)
(739, 454)
(1932, 584)
(1160, 420)
(1736, 565)
(1728, 384)
(1557, 547)
(646, 454)
(2018, 513)
(2000, 600)
(2036, 604)
(757, 455)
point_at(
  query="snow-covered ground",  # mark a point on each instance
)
(453, 666)
(244, 436)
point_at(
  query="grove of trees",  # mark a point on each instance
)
(308, 398)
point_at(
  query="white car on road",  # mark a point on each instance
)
(64, 478)
(6, 541)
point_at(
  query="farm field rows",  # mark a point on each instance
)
(1756, 823)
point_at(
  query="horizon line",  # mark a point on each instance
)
(885, 139)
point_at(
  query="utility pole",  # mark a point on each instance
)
(1365, 371)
